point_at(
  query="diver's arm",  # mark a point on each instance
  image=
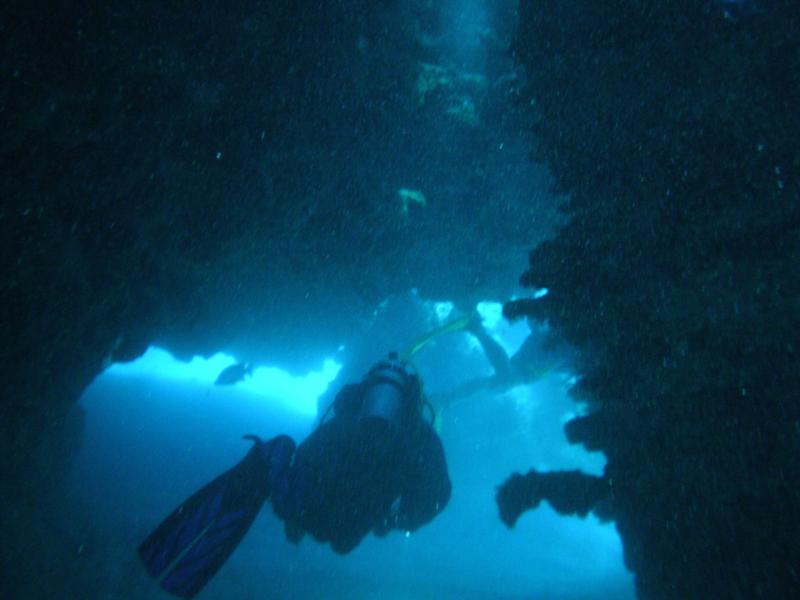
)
(427, 485)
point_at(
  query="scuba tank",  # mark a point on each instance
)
(391, 391)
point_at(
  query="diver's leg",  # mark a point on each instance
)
(491, 348)
(193, 542)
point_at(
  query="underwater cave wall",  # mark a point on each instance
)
(673, 127)
(167, 167)
(163, 166)
(225, 176)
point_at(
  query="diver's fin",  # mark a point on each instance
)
(193, 542)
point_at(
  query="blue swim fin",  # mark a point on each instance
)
(193, 542)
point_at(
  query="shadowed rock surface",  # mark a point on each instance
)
(674, 131)
(225, 176)
(569, 493)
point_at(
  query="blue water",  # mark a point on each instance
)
(151, 440)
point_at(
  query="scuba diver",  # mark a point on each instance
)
(541, 353)
(373, 464)
(394, 323)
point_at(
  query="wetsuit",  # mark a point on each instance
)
(374, 465)
(359, 472)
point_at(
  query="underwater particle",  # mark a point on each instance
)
(407, 197)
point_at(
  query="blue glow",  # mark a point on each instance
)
(443, 310)
(270, 383)
(509, 335)
(140, 412)
(299, 392)
(160, 364)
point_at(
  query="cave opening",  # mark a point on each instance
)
(158, 427)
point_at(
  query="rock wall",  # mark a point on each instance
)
(224, 176)
(673, 128)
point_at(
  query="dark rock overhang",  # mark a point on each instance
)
(232, 176)
(673, 126)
